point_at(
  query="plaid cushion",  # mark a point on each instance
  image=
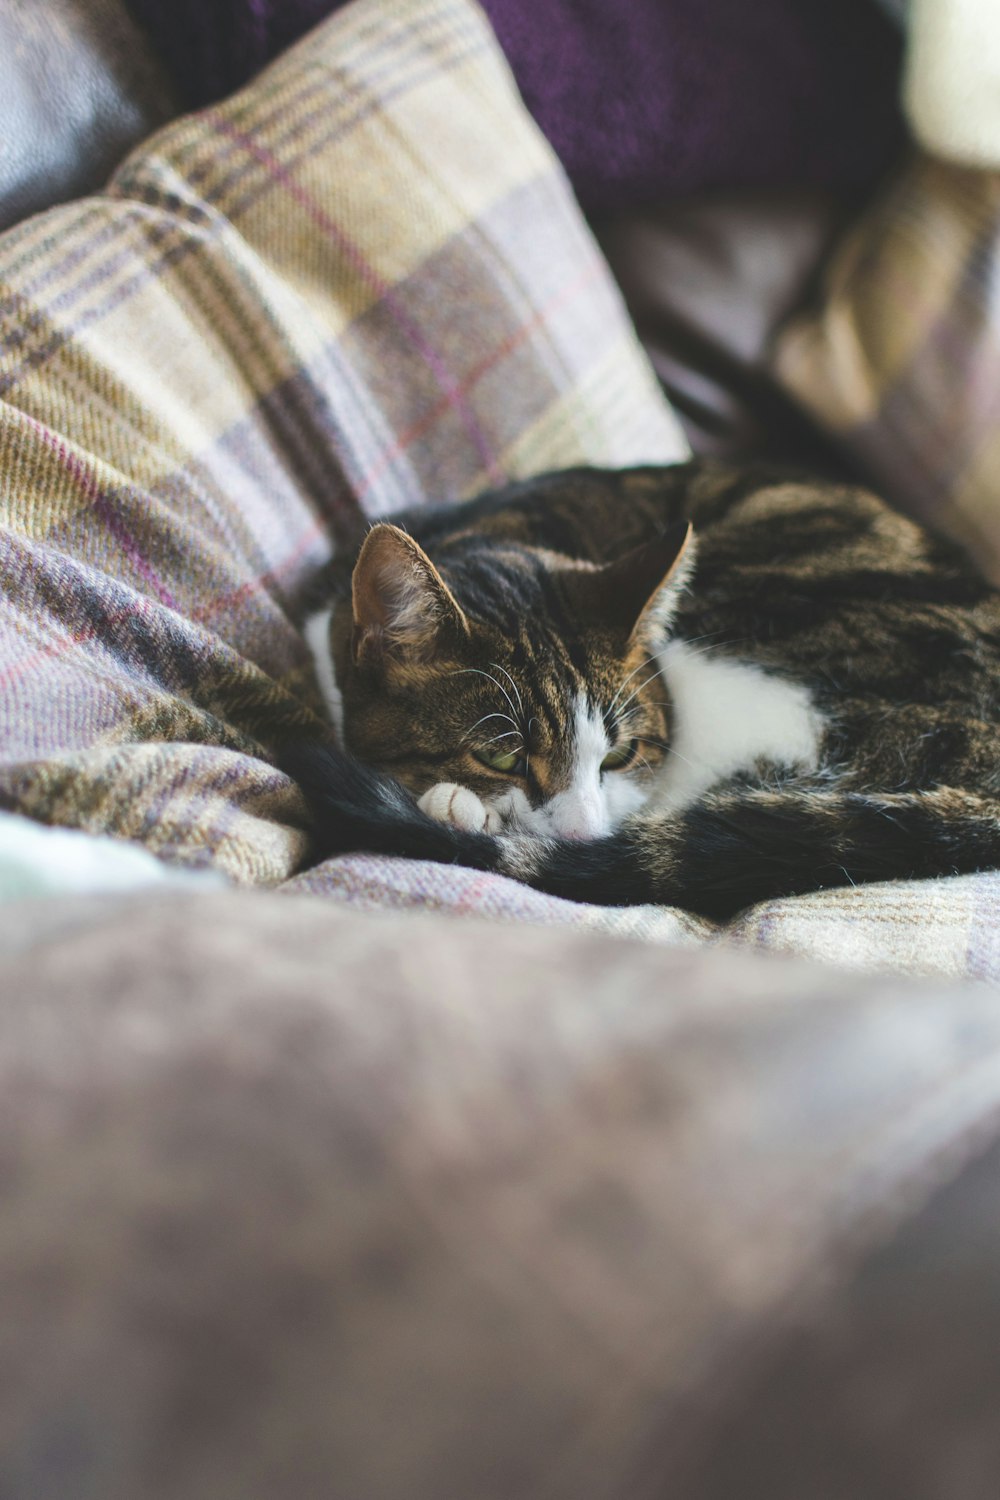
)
(360, 282)
(901, 360)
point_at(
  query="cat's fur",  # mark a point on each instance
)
(816, 697)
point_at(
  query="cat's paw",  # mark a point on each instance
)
(447, 802)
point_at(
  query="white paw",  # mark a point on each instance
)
(450, 803)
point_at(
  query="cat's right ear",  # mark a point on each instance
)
(638, 593)
(657, 573)
(403, 609)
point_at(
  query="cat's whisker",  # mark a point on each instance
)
(478, 672)
(713, 645)
(638, 690)
(679, 756)
(512, 683)
(510, 701)
(506, 717)
(505, 736)
(611, 705)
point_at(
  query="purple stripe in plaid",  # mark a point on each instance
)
(122, 293)
(103, 504)
(208, 614)
(130, 182)
(571, 290)
(372, 279)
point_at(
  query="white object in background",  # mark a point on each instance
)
(36, 860)
(951, 85)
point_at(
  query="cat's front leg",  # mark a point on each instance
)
(447, 802)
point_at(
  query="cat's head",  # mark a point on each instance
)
(525, 676)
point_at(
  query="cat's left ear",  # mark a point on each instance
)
(638, 593)
(403, 609)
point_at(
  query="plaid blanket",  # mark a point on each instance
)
(360, 282)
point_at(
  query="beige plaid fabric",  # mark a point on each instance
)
(900, 362)
(359, 283)
(942, 928)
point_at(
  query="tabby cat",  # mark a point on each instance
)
(698, 684)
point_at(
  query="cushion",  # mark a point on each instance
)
(900, 358)
(360, 283)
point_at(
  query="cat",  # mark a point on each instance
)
(699, 684)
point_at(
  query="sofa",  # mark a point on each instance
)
(385, 1179)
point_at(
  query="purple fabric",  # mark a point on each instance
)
(641, 101)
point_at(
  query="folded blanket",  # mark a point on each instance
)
(641, 100)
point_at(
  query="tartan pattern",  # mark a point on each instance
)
(901, 360)
(360, 282)
(944, 929)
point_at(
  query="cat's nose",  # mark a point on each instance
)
(579, 826)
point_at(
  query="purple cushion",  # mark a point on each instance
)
(669, 97)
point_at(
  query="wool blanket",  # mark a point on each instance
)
(360, 283)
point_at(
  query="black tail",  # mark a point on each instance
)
(355, 808)
(736, 848)
(730, 850)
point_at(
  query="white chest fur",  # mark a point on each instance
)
(727, 717)
(317, 635)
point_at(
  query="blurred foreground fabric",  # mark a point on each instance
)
(300, 1202)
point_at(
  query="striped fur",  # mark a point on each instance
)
(545, 588)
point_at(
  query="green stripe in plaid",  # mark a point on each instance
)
(359, 283)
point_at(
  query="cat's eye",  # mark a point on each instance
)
(621, 756)
(509, 762)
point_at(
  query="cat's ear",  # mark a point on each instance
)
(657, 573)
(403, 608)
(637, 594)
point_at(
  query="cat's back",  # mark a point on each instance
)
(827, 582)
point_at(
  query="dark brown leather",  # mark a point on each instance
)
(707, 282)
(79, 86)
